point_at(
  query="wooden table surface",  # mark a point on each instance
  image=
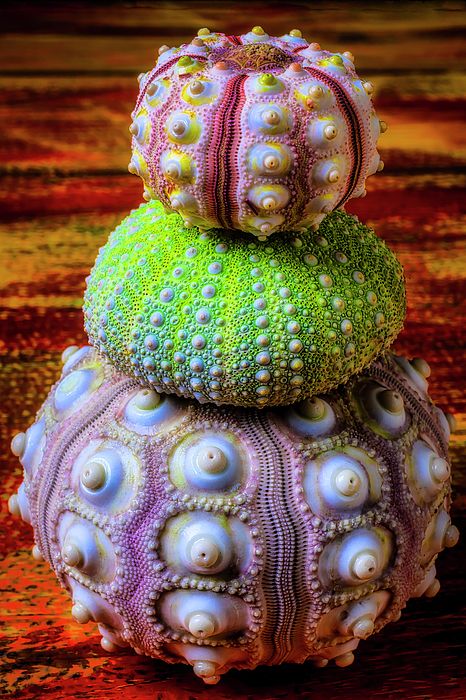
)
(67, 86)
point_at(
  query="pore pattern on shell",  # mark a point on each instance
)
(256, 133)
(226, 537)
(239, 322)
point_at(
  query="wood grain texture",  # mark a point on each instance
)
(67, 85)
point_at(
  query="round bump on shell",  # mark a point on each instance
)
(207, 670)
(348, 482)
(452, 536)
(384, 409)
(85, 547)
(204, 552)
(363, 628)
(440, 533)
(227, 614)
(34, 447)
(210, 462)
(201, 625)
(108, 645)
(427, 472)
(433, 589)
(72, 555)
(13, 505)
(74, 387)
(147, 409)
(80, 613)
(205, 544)
(314, 417)
(358, 557)
(18, 444)
(452, 422)
(37, 554)
(421, 366)
(364, 566)
(93, 476)
(416, 378)
(336, 483)
(21, 502)
(345, 659)
(68, 352)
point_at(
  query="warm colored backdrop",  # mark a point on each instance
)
(67, 85)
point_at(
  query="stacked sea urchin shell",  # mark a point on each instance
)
(240, 472)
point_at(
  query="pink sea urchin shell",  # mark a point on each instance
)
(254, 132)
(225, 537)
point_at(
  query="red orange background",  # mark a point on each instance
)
(67, 85)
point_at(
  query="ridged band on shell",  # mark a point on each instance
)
(233, 321)
(254, 132)
(228, 538)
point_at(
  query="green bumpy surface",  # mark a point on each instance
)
(233, 321)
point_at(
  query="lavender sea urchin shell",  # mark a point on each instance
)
(228, 538)
(233, 321)
(255, 132)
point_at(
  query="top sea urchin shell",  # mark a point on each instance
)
(255, 132)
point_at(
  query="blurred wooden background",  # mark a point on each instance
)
(67, 86)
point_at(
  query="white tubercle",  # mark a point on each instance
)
(18, 504)
(427, 582)
(75, 387)
(106, 474)
(209, 614)
(89, 605)
(37, 554)
(384, 408)
(312, 417)
(416, 372)
(201, 624)
(341, 482)
(427, 472)
(86, 548)
(326, 133)
(33, 447)
(13, 505)
(80, 613)
(147, 410)
(208, 662)
(67, 352)
(18, 444)
(73, 355)
(205, 544)
(440, 533)
(356, 558)
(211, 460)
(355, 619)
(208, 461)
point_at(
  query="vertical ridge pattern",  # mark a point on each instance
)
(225, 136)
(350, 114)
(279, 575)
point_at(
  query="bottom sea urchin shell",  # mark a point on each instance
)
(228, 538)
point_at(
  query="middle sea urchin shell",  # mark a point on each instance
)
(233, 321)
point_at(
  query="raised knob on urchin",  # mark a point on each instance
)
(254, 132)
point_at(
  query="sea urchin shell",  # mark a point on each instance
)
(228, 538)
(239, 322)
(256, 133)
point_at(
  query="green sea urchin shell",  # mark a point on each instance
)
(232, 321)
